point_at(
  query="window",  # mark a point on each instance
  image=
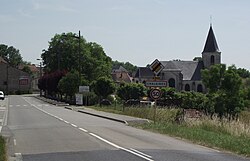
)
(171, 82)
(199, 88)
(187, 87)
(212, 60)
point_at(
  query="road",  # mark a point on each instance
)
(39, 131)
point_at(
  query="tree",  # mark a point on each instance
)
(104, 87)
(243, 73)
(69, 84)
(11, 55)
(26, 69)
(224, 87)
(131, 91)
(63, 54)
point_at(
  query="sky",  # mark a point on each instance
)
(135, 31)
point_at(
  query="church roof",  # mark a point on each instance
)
(191, 70)
(211, 44)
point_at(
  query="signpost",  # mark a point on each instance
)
(155, 93)
(155, 83)
(156, 67)
(84, 89)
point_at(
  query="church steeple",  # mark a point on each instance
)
(211, 44)
(211, 54)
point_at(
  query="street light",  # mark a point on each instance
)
(40, 70)
(79, 51)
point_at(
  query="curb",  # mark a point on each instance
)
(105, 117)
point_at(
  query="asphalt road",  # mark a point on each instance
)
(38, 131)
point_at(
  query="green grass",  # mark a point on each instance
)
(214, 138)
(2, 149)
(228, 136)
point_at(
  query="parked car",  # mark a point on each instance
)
(1, 95)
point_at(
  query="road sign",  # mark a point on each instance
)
(79, 100)
(156, 67)
(83, 89)
(155, 94)
(156, 83)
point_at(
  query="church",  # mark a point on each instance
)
(185, 75)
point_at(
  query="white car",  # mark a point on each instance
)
(1, 95)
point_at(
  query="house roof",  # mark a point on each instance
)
(191, 70)
(211, 44)
(119, 69)
(144, 72)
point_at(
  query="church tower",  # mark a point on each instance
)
(211, 54)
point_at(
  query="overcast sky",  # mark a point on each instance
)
(137, 31)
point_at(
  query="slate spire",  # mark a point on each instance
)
(211, 44)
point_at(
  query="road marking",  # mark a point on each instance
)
(106, 141)
(73, 125)
(14, 142)
(140, 153)
(0, 129)
(60, 119)
(24, 105)
(118, 147)
(83, 130)
(66, 121)
(17, 105)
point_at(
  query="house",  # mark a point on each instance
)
(12, 79)
(186, 75)
(120, 75)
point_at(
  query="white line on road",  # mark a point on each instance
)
(0, 129)
(118, 147)
(73, 125)
(83, 130)
(66, 121)
(140, 153)
(106, 141)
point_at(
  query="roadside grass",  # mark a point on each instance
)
(2, 149)
(233, 136)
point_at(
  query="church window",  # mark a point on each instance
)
(187, 87)
(199, 88)
(171, 82)
(212, 60)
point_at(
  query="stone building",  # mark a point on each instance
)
(186, 75)
(13, 80)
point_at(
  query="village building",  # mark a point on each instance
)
(186, 75)
(13, 80)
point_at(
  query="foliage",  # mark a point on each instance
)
(224, 87)
(131, 91)
(104, 87)
(49, 82)
(243, 73)
(69, 84)
(11, 55)
(3, 155)
(26, 69)
(128, 66)
(65, 53)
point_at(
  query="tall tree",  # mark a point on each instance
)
(63, 54)
(11, 55)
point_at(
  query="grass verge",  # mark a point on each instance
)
(211, 133)
(2, 149)
(201, 135)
